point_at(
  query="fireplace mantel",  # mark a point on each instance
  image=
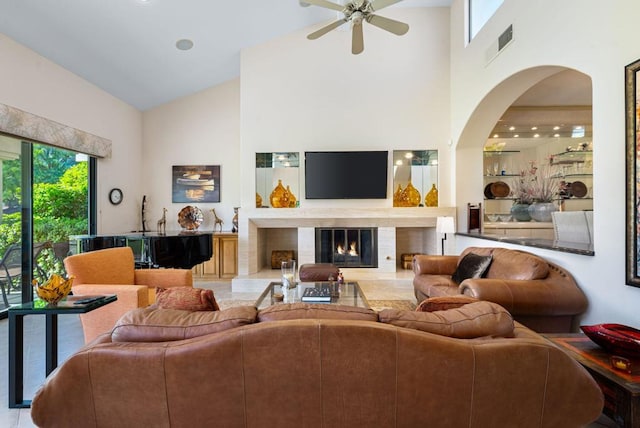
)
(252, 221)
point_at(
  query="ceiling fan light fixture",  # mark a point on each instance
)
(355, 12)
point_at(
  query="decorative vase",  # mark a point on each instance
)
(279, 197)
(292, 198)
(541, 211)
(431, 200)
(520, 212)
(410, 196)
(258, 200)
(397, 197)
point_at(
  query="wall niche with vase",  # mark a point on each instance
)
(415, 178)
(277, 180)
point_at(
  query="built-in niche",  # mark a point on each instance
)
(277, 180)
(415, 178)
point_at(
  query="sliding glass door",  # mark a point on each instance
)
(45, 198)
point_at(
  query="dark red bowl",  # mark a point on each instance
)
(616, 338)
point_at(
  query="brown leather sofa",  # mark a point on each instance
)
(539, 294)
(314, 366)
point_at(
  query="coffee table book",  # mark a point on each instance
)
(319, 293)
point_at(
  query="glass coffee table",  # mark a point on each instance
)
(347, 293)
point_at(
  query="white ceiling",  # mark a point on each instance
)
(127, 47)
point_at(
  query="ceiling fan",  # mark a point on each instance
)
(357, 11)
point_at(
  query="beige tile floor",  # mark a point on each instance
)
(71, 339)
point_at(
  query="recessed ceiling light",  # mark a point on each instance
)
(184, 44)
(516, 135)
(533, 128)
(399, 162)
(555, 128)
(495, 135)
(512, 128)
(536, 135)
(408, 155)
(556, 135)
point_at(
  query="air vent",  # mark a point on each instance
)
(503, 41)
(505, 38)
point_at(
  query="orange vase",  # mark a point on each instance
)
(396, 196)
(279, 198)
(292, 198)
(431, 200)
(410, 196)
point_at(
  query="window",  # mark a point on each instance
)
(479, 13)
(40, 209)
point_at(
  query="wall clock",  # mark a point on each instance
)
(115, 196)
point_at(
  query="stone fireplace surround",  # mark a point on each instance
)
(400, 230)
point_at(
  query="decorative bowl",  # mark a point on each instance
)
(616, 338)
(493, 217)
(505, 217)
(190, 217)
(54, 289)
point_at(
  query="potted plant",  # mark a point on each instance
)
(544, 189)
(523, 193)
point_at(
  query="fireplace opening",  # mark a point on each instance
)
(353, 247)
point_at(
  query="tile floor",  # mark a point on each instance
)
(71, 339)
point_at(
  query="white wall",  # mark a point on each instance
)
(302, 95)
(200, 129)
(34, 84)
(595, 38)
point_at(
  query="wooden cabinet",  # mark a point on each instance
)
(224, 263)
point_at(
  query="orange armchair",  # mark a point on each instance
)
(112, 271)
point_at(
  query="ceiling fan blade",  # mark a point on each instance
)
(391, 25)
(357, 40)
(325, 3)
(324, 30)
(379, 4)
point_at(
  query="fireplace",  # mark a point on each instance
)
(350, 247)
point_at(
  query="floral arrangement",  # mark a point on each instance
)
(536, 184)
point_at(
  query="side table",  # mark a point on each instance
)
(69, 305)
(621, 390)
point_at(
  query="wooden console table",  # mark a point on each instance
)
(621, 390)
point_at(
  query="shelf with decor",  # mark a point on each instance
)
(571, 157)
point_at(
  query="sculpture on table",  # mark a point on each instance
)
(218, 221)
(234, 220)
(144, 213)
(162, 223)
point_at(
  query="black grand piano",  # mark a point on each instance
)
(182, 249)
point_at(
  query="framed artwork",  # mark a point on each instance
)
(632, 108)
(196, 183)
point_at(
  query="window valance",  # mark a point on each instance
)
(28, 126)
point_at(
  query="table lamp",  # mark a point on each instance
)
(444, 225)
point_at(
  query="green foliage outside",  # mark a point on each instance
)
(60, 206)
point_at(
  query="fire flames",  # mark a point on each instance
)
(352, 249)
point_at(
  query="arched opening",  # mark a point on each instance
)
(551, 99)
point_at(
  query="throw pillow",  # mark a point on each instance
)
(186, 299)
(471, 266)
(443, 303)
(473, 320)
(163, 325)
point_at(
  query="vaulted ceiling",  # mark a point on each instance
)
(128, 47)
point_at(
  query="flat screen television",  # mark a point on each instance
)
(346, 175)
